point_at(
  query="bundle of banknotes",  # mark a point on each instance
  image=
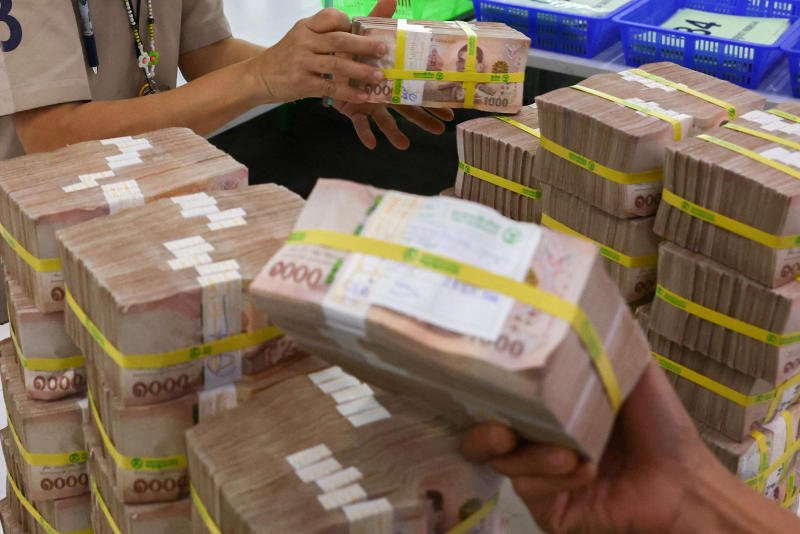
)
(178, 270)
(354, 458)
(733, 195)
(495, 168)
(447, 64)
(421, 298)
(42, 193)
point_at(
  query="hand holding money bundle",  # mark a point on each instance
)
(447, 64)
(472, 310)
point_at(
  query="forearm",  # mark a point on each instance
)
(216, 56)
(203, 105)
(719, 502)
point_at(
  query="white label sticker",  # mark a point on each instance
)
(187, 261)
(370, 416)
(344, 381)
(375, 517)
(184, 243)
(123, 195)
(339, 479)
(464, 231)
(353, 393)
(199, 211)
(234, 213)
(318, 470)
(227, 223)
(359, 405)
(309, 456)
(330, 373)
(342, 496)
(218, 267)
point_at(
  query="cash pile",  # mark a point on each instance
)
(44, 451)
(603, 140)
(629, 246)
(448, 64)
(355, 459)
(602, 151)
(435, 320)
(726, 320)
(178, 270)
(496, 163)
(733, 195)
(41, 193)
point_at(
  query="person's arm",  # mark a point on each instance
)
(290, 70)
(656, 475)
(216, 56)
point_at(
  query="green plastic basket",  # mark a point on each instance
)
(409, 9)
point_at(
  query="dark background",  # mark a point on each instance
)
(297, 143)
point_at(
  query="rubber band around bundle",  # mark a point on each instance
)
(34, 513)
(755, 156)
(676, 124)
(47, 459)
(773, 396)
(50, 365)
(499, 181)
(104, 507)
(134, 463)
(624, 178)
(727, 106)
(174, 357)
(536, 132)
(732, 225)
(651, 260)
(528, 294)
(726, 321)
(48, 265)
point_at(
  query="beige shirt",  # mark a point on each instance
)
(43, 60)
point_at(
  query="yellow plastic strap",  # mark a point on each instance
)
(499, 181)
(45, 364)
(755, 156)
(135, 463)
(726, 223)
(399, 61)
(791, 491)
(106, 512)
(727, 106)
(175, 357)
(470, 64)
(676, 124)
(760, 479)
(650, 260)
(726, 321)
(624, 178)
(712, 385)
(52, 265)
(453, 76)
(527, 129)
(208, 521)
(35, 513)
(45, 459)
(475, 276)
(763, 135)
(472, 521)
(763, 464)
(784, 115)
(791, 433)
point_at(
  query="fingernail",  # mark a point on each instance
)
(382, 49)
(378, 75)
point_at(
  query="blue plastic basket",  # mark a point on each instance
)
(791, 48)
(553, 30)
(739, 62)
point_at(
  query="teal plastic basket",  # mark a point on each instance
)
(409, 9)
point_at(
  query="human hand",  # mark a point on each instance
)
(656, 474)
(429, 119)
(360, 114)
(320, 45)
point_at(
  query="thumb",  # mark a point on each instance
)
(384, 8)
